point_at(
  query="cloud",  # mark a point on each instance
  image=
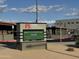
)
(45, 21)
(60, 9)
(12, 9)
(72, 12)
(48, 21)
(2, 1)
(56, 6)
(41, 8)
(3, 20)
(32, 9)
(3, 8)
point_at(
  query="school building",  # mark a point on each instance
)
(64, 29)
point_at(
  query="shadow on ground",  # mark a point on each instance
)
(9, 45)
(62, 53)
(70, 45)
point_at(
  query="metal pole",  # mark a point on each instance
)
(36, 11)
(2, 35)
(60, 35)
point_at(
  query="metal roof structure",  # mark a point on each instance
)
(7, 23)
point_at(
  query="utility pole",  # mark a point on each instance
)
(36, 11)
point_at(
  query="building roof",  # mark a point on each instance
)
(7, 23)
(30, 23)
(76, 19)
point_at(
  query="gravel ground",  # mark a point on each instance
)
(54, 51)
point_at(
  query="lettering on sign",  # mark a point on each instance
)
(28, 26)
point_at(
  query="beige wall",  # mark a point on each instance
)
(33, 26)
(7, 37)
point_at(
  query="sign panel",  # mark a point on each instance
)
(33, 35)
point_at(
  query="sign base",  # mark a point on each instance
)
(32, 45)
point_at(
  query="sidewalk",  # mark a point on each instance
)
(7, 53)
(61, 49)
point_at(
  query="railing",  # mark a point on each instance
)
(7, 36)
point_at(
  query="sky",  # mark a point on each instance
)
(48, 10)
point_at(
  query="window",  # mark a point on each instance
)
(68, 22)
(77, 22)
(57, 23)
(61, 23)
(72, 22)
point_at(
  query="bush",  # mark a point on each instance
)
(70, 49)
